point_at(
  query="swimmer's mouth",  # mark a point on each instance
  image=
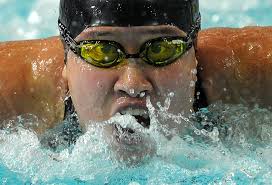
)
(128, 135)
(141, 116)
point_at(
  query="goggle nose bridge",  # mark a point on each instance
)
(136, 55)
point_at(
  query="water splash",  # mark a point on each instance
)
(223, 144)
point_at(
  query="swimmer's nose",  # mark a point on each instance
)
(133, 82)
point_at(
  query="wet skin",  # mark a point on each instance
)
(98, 94)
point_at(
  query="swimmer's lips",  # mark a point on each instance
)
(143, 120)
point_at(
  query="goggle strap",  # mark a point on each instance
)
(194, 30)
(66, 36)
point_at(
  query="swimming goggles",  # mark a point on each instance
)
(104, 54)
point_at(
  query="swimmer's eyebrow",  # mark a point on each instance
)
(163, 30)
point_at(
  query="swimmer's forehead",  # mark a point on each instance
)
(111, 32)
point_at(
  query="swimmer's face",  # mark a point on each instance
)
(100, 93)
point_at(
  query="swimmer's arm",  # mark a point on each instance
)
(236, 65)
(30, 80)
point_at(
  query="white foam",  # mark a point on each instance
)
(91, 159)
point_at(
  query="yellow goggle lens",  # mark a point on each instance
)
(164, 51)
(100, 54)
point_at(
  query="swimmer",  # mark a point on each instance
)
(120, 52)
(117, 54)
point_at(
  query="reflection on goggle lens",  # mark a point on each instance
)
(101, 54)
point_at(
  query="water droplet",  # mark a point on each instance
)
(171, 94)
(197, 132)
(106, 58)
(194, 71)
(192, 84)
(134, 183)
(131, 91)
(142, 94)
(250, 47)
(45, 49)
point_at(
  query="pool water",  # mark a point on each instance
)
(31, 19)
(238, 152)
(240, 156)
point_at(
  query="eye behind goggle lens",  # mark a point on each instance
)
(163, 52)
(101, 54)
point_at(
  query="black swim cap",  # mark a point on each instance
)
(77, 15)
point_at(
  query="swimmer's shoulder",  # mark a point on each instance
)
(235, 65)
(30, 80)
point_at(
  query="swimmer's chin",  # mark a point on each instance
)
(131, 153)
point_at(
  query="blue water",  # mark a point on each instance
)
(22, 161)
(199, 157)
(29, 19)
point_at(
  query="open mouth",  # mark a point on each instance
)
(141, 116)
(128, 135)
